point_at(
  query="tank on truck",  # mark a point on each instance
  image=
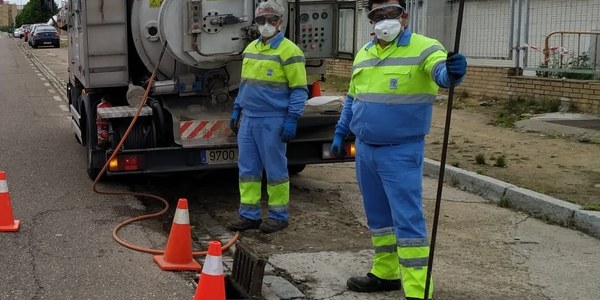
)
(184, 125)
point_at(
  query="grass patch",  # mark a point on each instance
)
(515, 108)
(594, 207)
(500, 162)
(480, 159)
(503, 202)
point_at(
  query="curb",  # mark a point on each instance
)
(538, 205)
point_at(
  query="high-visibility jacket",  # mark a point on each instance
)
(273, 80)
(392, 90)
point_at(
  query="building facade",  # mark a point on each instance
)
(8, 13)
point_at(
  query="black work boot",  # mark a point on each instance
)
(272, 225)
(371, 283)
(243, 224)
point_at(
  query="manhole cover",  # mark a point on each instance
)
(586, 124)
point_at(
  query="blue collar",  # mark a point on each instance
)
(274, 41)
(403, 39)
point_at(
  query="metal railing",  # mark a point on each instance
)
(575, 55)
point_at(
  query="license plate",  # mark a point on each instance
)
(47, 43)
(220, 156)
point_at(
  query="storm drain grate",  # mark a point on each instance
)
(248, 271)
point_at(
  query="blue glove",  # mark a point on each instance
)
(456, 64)
(337, 146)
(235, 117)
(288, 131)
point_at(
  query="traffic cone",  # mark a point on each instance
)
(7, 221)
(316, 89)
(211, 285)
(178, 254)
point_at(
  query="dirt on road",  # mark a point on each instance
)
(554, 165)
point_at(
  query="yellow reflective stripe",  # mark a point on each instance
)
(250, 192)
(413, 252)
(413, 257)
(386, 266)
(396, 99)
(413, 282)
(382, 240)
(279, 194)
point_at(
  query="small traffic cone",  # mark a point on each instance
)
(178, 254)
(7, 221)
(316, 89)
(211, 285)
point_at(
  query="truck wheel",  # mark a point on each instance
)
(295, 169)
(91, 137)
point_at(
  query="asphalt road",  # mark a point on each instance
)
(65, 250)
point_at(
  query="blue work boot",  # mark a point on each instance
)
(372, 283)
(243, 224)
(272, 225)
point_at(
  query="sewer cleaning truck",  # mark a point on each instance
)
(194, 49)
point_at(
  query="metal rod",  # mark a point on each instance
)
(297, 22)
(518, 38)
(512, 29)
(526, 35)
(562, 40)
(438, 198)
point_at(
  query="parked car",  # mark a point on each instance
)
(44, 35)
(17, 33)
(24, 28)
(30, 30)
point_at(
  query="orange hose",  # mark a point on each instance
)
(147, 216)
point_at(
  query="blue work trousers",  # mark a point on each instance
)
(390, 180)
(261, 147)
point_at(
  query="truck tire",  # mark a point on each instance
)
(89, 119)
(295, 169)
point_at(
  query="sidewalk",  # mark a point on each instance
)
(484, 251)
(507, 195)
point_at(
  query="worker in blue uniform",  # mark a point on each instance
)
(271, 98)
(395, 80)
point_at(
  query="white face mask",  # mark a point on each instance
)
(388, 29)
(267, 30)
